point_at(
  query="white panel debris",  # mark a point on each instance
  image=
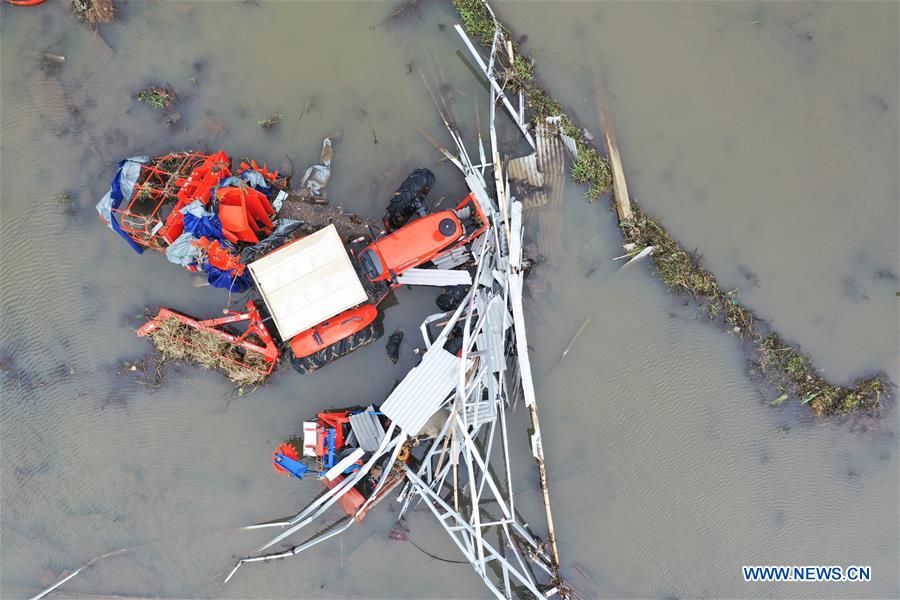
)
(435, 277)
(450, 260)
(525, 169)
(422, 391)
(368, 429)
(344, 464)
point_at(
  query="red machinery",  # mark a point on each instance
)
(152, 217)
(310, 288)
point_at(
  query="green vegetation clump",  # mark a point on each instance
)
(270, 122)
(476, 19)
(160, 98)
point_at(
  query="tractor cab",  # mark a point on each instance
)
(422, 240)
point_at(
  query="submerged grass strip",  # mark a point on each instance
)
(785, 366)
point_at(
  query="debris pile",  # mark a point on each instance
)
(443, 430)
(176, 341)
(316, 273)
(159, 97)
(93, 11)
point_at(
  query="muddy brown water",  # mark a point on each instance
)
(764, 135)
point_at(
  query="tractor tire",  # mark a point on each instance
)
(451, 297)
(408, 197)
(339, 349)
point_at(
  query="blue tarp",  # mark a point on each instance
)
(120, 189)
(200, 222)
(226, 279)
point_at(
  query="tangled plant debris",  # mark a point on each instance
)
(785, 366)
(160, 98)
(270, 122)
(93, 11)
(177, 341)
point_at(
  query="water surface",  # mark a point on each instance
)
(764, 135)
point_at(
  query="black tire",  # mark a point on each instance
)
(408, 197)
(451, 297)
(339, 349)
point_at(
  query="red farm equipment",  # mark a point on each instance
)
(333, 447)
(315, 294)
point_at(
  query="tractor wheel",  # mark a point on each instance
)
(408, 197)
(451, 297)
(340, 348)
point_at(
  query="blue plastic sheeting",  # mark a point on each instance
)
(201, 223)
(226, 279)
(121, 189)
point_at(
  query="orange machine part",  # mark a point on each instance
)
(351, 501)
(333, 330)
(220, 257)
(288, 450)
(198, 186)
(415, 243)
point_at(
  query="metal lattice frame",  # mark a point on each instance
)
(465, 477)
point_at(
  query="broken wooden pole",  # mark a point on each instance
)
(620, 186)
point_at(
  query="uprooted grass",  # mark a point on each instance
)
(160, 98)
(785, 366)
(177, 341)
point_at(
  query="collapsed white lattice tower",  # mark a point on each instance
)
(464, 477)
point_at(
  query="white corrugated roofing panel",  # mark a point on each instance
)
(307, 281)
(423, 390)
(368, 430)
(435, 277)
(454, 258)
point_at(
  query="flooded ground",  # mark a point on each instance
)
(764, 135)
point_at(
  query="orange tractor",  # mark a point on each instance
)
(313, 294)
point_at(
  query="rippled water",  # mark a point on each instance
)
(764, 135)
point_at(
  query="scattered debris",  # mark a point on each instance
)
(519, 78)
(160, 98)
(86, 565)
(393, 346)
(446, 420)
(235, 222)
(270, 122)
(575, 337)
(93, 11)
(64, 199)
(51, 64)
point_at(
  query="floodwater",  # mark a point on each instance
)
(764, 135)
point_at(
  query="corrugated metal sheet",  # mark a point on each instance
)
(552, 163)
(452, 259)
(368, 430)
(525, 168)
(423, 390)
(435, 277)
(492, 335)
